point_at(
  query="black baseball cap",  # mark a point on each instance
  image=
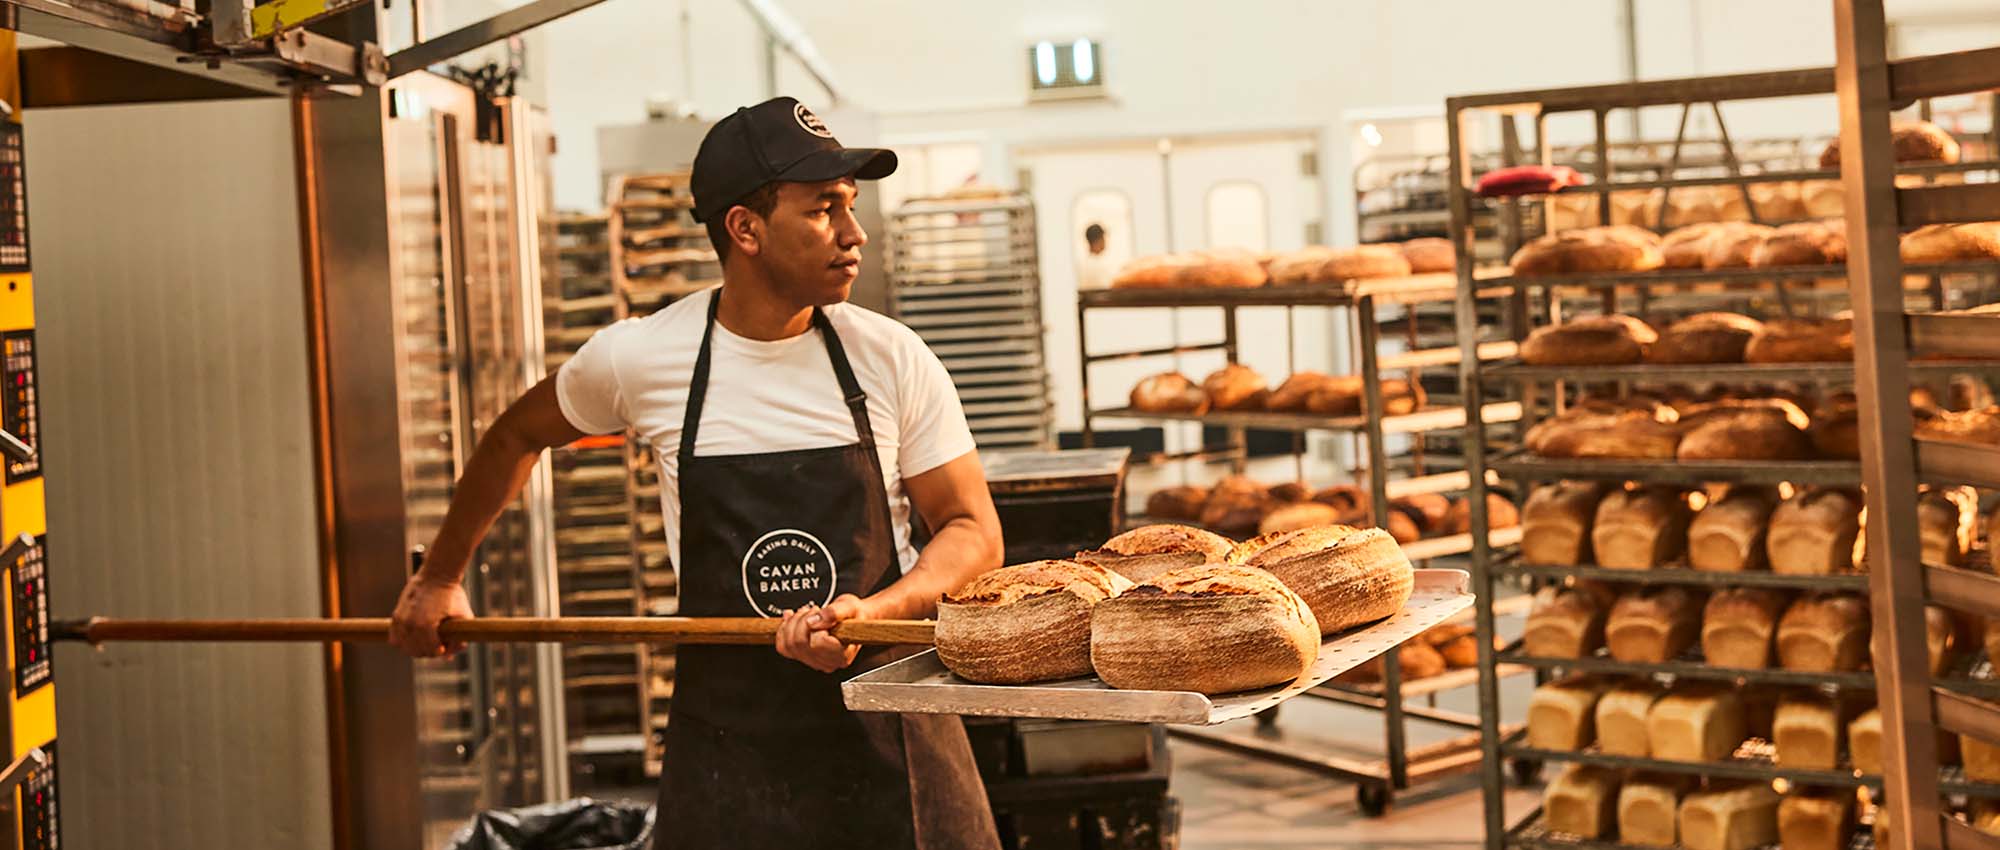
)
(777, 140)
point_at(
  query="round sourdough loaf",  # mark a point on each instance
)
(1803, 243)
(1301, 266)
(1687, 247)
(1169, 392)
(1364, 261)
(1235, 387)
(1347, 576)
(1582, 433)
(1705, 338)
(1149, 550)
(1802, 341)
(1430, 254)
(1290, 396)
(1213, 629)
(1615, 248)
(1182, 502)
(1734, 245)
(1024, 623)
(1748, 433)
(1296, 515)
(1595, 341)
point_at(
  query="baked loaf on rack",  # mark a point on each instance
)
(1814, 532)
(1951, 243)
(1594, 341)
(1912, 141)
(1738, 624)
(1615, 248)
(1969, 426)
(1156, 272)
(1212, 629)
(1836, 427)
(1347, 576)
(1803, 243)
(1806, 731)
(1024, 623)
(1649, 808)
(1728, 535)
(1181, 502)
(1802, 341)
(1301, 266)
(1704, 723)
(1945, 519)
(1653, 625)
(1500, 513)
(1744, 433)
(1290, 396)
(1730, 817)
(1430, 255)
(1639, 529)
(1586, 432)
(1687, 247)
(1235, 387)
(1621, 718)
(1815, 820)
(1427, 510)
(1294, 516)
(1582, 801)
(1169, 392)
(1364, 261)
(1705, 338)
(1235, 504)
(1824, 634)
(1223, 267)
(1567, 622)
(1555, 523)
(1735, 245)
(1982, 759)
(1562, 714)
(1149, 550)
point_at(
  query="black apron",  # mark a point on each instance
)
(761, 752)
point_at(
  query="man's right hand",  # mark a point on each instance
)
(423, 605)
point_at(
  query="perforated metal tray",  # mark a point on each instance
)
(920, 684)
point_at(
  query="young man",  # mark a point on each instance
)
(1094, 270)
(795, 434)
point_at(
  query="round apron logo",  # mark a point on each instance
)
(810, 122)
(786, 569)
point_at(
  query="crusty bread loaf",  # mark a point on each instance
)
(1824, 634)
(1212, 629)
(1813, 532)
(1985, 816)
(1912, 141)
(1415, 659)
(1649, 808)
(1182, 502)
(1836, 427)
(1460, 652)
(1348, 576)
(1364, 261)
(1945, 518)
(1639, 529)
(1024, 623)
(1982, 759)
(1594, 341)
(1699, 723)
(1745, 434)
(1816, 819)
(1286, 492)
(1655, 624)
(1621, 718)
(1297, 515)
(1555, 523)
(1687, 247)
(1807, 731)
(1567, 622)
(1345, 498)
(1339, 395)
(1589, 433)
(1430, 254)
(1301, 266)
(1951, 243)
(1562, 714)
(1236, 504)
(1730, 817)
(1290, 396)
(1802, 341)
(1617, 248)
(1153, 272)
(1582, 801)
(1169, 392)
(1399, 397)
(1728, 534)
(1968, 426)
(1235, 387)
(1803, 243)
(1735, 245)
(1864, 742)
(1427, 510)
(1500, 513)
(1232, 268)
(1149, 550)
(1737, 626)
(1705, 338)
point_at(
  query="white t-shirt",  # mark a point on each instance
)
(767, 397)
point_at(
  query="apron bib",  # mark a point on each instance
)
(761, 752)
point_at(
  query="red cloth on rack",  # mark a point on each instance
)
(1527, 180)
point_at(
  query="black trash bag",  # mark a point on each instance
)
(579, 824)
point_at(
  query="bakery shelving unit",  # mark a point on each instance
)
(594, 559)
(1401, 765)
(1894, 461)
(659, 254)
(1493, 565)
(964, 274)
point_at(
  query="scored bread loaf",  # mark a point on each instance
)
(1296, 516)
(1687, 247)
(1567, 622)
(1149, 550)
(1427, 510)
(1616, 248)
(1025, 623)
(1969, 426)
(1301, 266)
(1705, 338)
(1802, 341)
(1730, 817)
(1430, 254)
(1813, 532)
(1911, 141)
(1737, 626)
(1235, 387)
(1235, 504)
(1806, 731)
(1586, 433)
(1212, 629)
(1290, 396)
(1728, 534)
(1803, 243)
(1338, 395)
(1824, 634)
(1182, 502)
(1836, 427)
(1950, 243)
(1347, 576)
(1735, 246)
(1653, 625)
(1169, 392)
(1363, 261)
(1697, 724)
(1290, 491)
(1639, 529)
(1815, 820)
(1621, 718)
(1582, 801)
(1758, 433)
(1594, 341)
(1562, 714)
(1555, 523)
(1649, 808)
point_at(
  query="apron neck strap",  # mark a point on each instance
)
(850, 388)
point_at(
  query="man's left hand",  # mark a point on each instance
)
(805, 634)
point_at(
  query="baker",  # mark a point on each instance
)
(796, 433)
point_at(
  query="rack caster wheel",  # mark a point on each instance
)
(1372, 798)
(1525, 771)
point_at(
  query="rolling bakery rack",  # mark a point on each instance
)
(1401, 765)
(1493, 563)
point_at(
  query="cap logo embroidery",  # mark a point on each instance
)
(810, 122)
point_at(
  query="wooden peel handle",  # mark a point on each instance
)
(693, 630)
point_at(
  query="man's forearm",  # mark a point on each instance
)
(958, 552)
(494, 476)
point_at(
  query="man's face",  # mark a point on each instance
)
(1097, 245)
(812, 242)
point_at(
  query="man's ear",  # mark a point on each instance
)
(745, 229)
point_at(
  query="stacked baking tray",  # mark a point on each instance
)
(963, 275)
(661, 253)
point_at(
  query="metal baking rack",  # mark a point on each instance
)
(1360, 299)
(1539, 295)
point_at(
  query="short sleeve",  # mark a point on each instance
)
(932, 422)
(587, 386)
